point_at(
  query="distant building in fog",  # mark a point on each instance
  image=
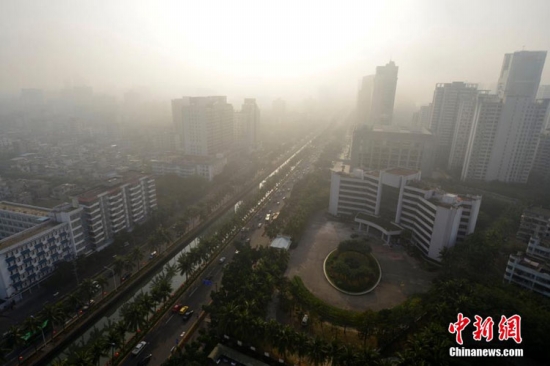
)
(247, 124)
(383, 94)
(421, 118)
(364, 100)
(204, 125)
(279, 110)
(382, 147)
(448, 100)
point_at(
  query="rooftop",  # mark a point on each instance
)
(281, 242)
(187, 159)
(401, 171)
(538, 211)
(24, 235)
(220, 352)
(110, 185)
(24, 209)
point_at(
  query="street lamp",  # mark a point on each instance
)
(113, 345)
(114, 274)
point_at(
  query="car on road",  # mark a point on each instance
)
(183, 310)
(145, 360)
(140, 346)
(209, 277)
(222, 259)
(125, 277)
(153, 255)
(176, 308)
(188, 314)
(259, 225)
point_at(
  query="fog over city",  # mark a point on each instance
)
(261, 183)
(240, 48)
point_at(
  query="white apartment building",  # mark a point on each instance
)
(529, 272)
(118, 205)
(33, 240)
(447, 101)
(383, 147)
(436, 219)
(535, 223)
(204, 125)
(206, 167)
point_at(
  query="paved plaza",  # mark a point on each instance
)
(402, 274)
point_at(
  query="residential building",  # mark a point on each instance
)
(385, 202)
(247, 124)
(504, 139)
(462, 130)
(535, 223)
(204, 125)
(32, 240)
(541, 165)
(187, 166)
(383, 94)
(529, 272)
(279, 111)
(447, 100)
(382, 147)
(119, 204)
(364, 100)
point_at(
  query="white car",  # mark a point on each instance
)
(140, 346)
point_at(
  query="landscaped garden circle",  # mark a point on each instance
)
(351, 268)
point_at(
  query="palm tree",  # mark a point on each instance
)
(134, 316)
(119, 266)
(14, 337)
(102, 282)
(146, 301)
(136, 255)
(161, 288)
(82, 357)
(54, 313)
(98, 349)
(87, 288)
(183, 265)
(60, 362)
(318, 351)
(32, 325)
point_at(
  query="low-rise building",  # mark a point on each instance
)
(187, 166)
(119, 204)
(535, 222)
(384, 202)
(32, 240)
(529, 272)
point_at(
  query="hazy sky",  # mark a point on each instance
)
(263, 49)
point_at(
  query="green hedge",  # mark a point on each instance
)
(327, 312)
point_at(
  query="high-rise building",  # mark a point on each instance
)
(506, 127)
(382, 147)
(544, 92)
(448, 98)
(364, 100)
(461, 135)
(384, 85)
(247, 124)
(520, 74)
(541, 166)
(204, 125)
(279, 111)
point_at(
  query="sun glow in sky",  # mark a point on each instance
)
(262, 48)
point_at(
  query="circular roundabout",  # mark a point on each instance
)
(352, 270)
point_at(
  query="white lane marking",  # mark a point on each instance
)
(191, 294)
(169, 319)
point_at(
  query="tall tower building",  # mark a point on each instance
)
(204, 124)
(247, 123)
(364, 100)
(447, 100)
(520, 74)
(383, 94)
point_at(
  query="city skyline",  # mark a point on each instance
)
(227, 49)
